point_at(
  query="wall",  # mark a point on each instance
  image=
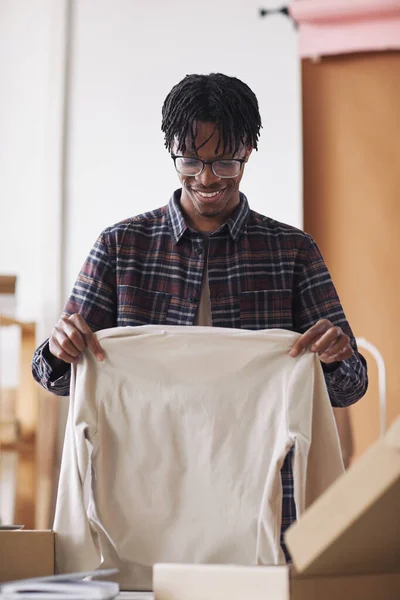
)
(24, 62)
(24, 52)
(122, 60)
(125, 57)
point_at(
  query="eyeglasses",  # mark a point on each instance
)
(191, 167)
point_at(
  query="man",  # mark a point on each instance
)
(207, 259)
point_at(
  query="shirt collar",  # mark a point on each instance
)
(178, 226)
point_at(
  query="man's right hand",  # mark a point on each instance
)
(70, 336)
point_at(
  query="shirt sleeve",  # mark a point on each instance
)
(94, 297)
(316, 298)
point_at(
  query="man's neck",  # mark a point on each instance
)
(203, 225)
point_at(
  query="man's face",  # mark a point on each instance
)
(208, 200)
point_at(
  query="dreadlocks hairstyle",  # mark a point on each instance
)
(215, 98)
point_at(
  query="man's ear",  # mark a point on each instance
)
(249, 150)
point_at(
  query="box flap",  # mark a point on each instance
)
(354, 527)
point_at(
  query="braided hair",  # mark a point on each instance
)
(216, 98)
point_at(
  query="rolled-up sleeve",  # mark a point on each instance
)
(53, 378)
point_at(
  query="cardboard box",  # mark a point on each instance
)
(346, 546)
(25, 554)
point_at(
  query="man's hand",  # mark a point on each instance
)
(327, 340)
(70, 336)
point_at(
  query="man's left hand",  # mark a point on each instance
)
(329, 341)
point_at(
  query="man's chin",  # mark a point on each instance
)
(209, 206)
(209, 211)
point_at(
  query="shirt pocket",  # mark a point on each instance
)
(266, 309)
(137, 306)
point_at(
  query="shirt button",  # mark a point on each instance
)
(199, 250)
(192, 299)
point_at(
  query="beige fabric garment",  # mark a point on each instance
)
(174, 446)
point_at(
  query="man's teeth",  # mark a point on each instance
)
(209, 195)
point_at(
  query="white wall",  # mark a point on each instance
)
(24, 61)
(126, 56)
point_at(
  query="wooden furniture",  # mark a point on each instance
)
(32, 419)
(25, 418)
(351, 155)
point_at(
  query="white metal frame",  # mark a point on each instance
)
(373, 350)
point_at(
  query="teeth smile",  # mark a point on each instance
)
(209, 195)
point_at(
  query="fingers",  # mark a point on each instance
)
(333, 338)
(337, 353)
(310, 336)
(70, 336)
(73, 335)
(333, 346)
(329, 341)
(88, 336)
(59, 346)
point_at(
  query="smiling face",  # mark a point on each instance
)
(208, 200)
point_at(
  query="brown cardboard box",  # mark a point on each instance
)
(25, 554)
(346, 546)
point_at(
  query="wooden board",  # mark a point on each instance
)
(351, 148)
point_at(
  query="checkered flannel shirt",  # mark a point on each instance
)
(262, 274)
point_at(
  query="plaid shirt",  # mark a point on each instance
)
(262, 274)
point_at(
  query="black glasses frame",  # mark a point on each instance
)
(210, 162)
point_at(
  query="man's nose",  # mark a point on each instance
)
(207, 177)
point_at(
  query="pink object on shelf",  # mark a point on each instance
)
(344, 26)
